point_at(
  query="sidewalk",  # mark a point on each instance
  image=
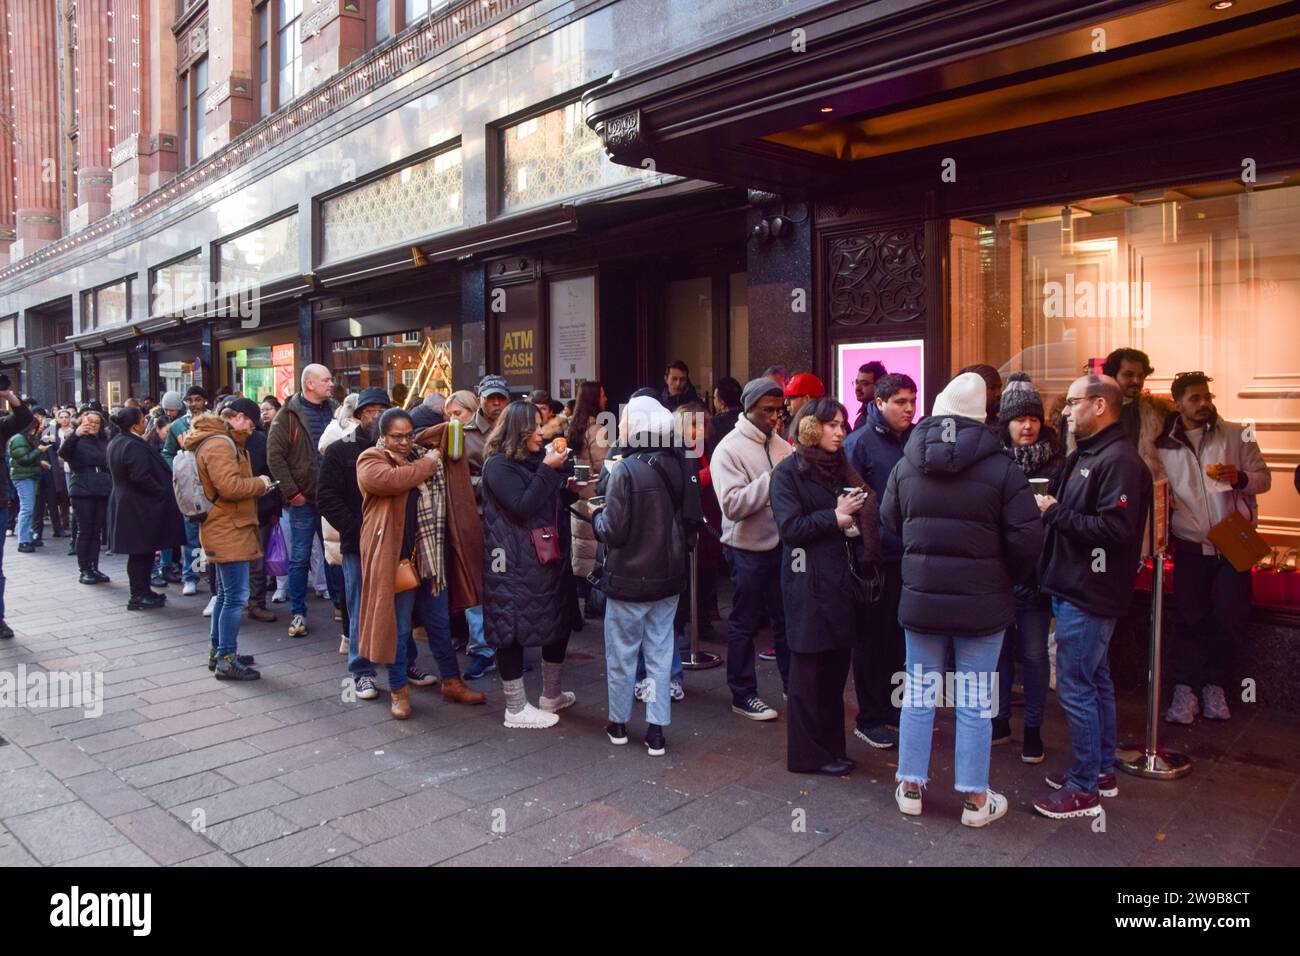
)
(181, 769)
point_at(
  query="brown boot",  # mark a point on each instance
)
(457, 691)
(401, 706)
(261, 614)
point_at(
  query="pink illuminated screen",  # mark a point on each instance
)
(899, 357)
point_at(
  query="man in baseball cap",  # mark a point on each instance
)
(800, 389)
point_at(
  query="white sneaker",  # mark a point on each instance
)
(212, 603)
(908, 804)
(995, 807)
(1184, 707)
(1214, 705)
(279, 597)
(676, 691)
(343, 644)
(551, 705)
(642, 690)
(190, 588)
(530, 718)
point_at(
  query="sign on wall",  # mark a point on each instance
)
(905, 357)
(573, 335)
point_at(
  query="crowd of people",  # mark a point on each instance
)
(903, 551)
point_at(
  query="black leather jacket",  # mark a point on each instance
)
(642, 529)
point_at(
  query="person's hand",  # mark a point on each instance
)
(555, 459)
(298, 499)
(45, 465)
(1044, 502)
(1228, 474)
(266, 482)
(849, 504)
(9, 396)
(83, 428)
(572, 485)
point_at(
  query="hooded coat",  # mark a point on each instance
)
(230, 531)
(970, 528)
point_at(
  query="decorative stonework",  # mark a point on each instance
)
(620, 132)
(323, 14)
(876, 278)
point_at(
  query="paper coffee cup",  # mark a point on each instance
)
(582, 473)
(1039, 486)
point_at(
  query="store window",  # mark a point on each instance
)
(193, 127)
(408, 364)
(277, 54)
(176, 375)
(553, 155)
(688, 306)
(260, 255)
(106, 306)
(8, 333)
(409, 203)
(1201, 278)
(177, 286)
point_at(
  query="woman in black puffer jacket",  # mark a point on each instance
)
(1038, 450)
(89, 485)
(526, 577)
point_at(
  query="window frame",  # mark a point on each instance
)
(268, 12)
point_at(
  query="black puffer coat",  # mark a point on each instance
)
(970, 528)
(1028, 596)
(823, 611)
(525, 603)
(142, 512)
(641, 527)
(87, 457)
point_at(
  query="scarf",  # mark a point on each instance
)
(430, 521)
(1031, 458)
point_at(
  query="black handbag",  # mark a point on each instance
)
(869, 583)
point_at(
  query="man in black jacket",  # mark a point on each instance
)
(1094, 519)
(19, 418)
(339, 499)
(645, 568)
(269, 508)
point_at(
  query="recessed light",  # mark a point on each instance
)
(828, 109)
(1221, 5)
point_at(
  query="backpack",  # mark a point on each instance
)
(187, 486)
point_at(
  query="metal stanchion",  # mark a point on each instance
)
(1149, 760)
(696, 659)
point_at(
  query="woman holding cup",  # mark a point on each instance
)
(1037, 449)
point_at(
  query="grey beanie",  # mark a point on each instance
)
(758, 388)
(173, 402)
(1020, 399)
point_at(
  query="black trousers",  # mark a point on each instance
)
(139, 568)
(47, 501)
(880, 654)
(815, 710)
(257, 573)
(510, 660)
(92, 517)
(1212, 611)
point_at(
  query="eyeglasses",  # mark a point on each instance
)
(400, 437)
(1071, 402)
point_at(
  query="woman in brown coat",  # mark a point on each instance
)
(229, 534)
(417, 505)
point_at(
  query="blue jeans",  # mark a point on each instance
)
(232, 595)
(478, 646)
(26, 505)
(756, 577)
(4, 521)
(1085, 691)
(632, 627)
(403, 605)
(358, 666)
(1028, 640)
(433, 612)
(304, 524)
(677, 664)
(976, 699)
(188, 571)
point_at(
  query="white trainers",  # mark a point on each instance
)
(676, 691)
(190, 588)
(530, 718)
(911, 805)
(642, 690)
(1214, 705)
(279, 597)
(995, 807)
(1184, 707)
(552, 705)
(212, 603)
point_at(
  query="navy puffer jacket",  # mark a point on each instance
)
(524, 602)
(970, 528)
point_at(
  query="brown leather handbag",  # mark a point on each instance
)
(407, 576)
(1238, 542)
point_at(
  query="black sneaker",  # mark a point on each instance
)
(767, 654)
(754, 709)
(158, 581)
(6, 632)
(1001, 731)
(24, 548)
(231, 668)
(882, 738)
(617, 733)
(38, 542)
(1032, 751)
(654, 740)
(145, 602)
(173, 575)
(103, 578)
(87, 578)
(244, 659)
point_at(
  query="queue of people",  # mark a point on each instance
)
(927, 558)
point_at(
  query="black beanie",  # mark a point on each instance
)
(1019, 399)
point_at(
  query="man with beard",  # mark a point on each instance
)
(1213, 470)
(1143, 416)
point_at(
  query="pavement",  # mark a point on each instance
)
(180, 769)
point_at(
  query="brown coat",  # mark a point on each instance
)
(230, 532)
(385, 485)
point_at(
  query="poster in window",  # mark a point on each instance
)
(906, 357)
(573, 334)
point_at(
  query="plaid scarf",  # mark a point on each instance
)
(430, 521)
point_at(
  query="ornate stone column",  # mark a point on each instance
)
(36, 87)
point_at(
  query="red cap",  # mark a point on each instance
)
(805, 383)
